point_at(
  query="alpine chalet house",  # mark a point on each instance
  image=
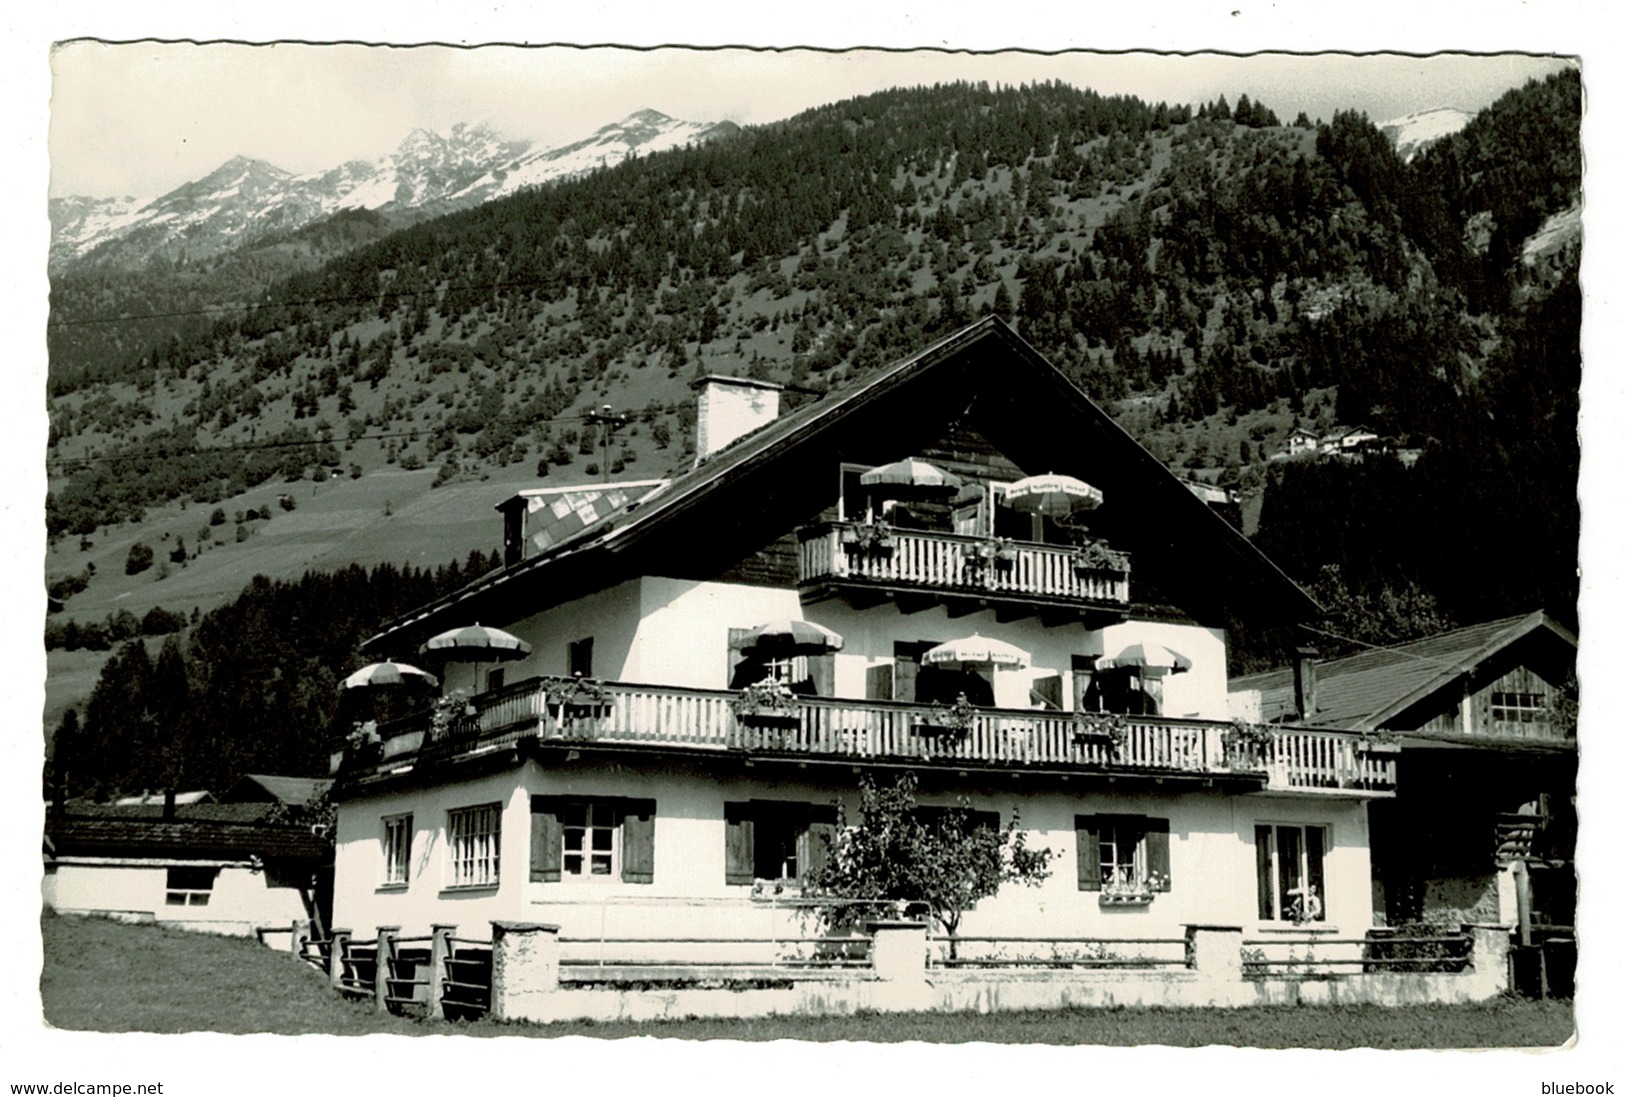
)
(1486, 712)
(624, 781)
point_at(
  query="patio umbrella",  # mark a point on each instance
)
(785, 638)
(1052, 494)
(476, 643)
(1151, 660)
(388, 674)
(977, 650)
(909, 478)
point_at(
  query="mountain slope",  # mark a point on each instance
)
(1218, 283)
(1413, 133)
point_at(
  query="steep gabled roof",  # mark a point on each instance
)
(293, 791)
(985, 374)
(1364, 691)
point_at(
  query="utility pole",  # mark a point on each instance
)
(607, 422)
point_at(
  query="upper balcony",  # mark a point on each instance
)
(872, 562)
(618, 715)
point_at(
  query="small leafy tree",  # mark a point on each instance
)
(139, 558)
(947, 861)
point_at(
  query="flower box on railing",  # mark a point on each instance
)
(777, 721)
(1248, 746)
(947, 724)
(868, 539)
(1105, 729)
(1097, 556)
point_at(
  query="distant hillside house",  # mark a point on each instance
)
(1487, 721)
(650, 769)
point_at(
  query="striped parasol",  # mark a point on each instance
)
(389, 674)
(1151, 660)
(790, 637)
(1053, 495)
(910, 478)
(476, 643)
(977, 650)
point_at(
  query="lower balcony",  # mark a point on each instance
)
(623, 715)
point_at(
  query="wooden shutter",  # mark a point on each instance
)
(638, 842)
(1263, 839)
(817, 841)
(821, 669)
(1048, 690)
(546, 839)
(878, 683)
(1315, 846)
(740, 843)
(1156, 851)
(736, 656)
(1088, 835)
(905, 679)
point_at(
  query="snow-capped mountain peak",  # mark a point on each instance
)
(429, 172)
(1415, 132)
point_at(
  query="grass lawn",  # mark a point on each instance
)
(104, 976)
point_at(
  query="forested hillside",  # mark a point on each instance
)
(1211, 275)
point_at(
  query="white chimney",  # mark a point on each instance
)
(729, 409)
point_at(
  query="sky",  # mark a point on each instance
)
(147, 124)
(140, 118)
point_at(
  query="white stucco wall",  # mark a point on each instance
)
(660, 631)
(1211, 855)
(361, 899)
(239, 903)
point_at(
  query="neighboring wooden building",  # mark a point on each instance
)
(1487, 719)
(218, 868)
(648, 803)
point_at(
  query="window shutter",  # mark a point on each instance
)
(1156, 851)
(1088, 833)
(818, 840)
(1262, 841)
(741, 843)
(878, 683)
(638, 842)
(546, 840)
(821, 669)
(736, 656)
(1048, 690)
(905, 676)
(1315, 843)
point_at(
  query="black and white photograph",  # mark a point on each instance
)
(977, 551)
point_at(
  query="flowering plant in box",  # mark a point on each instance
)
(1098, 556)
(769, 696)
(1124, 885)
(869, 537)
(1094, 727)
(1247, 745)
(951, 722)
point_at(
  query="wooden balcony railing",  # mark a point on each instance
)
(837, 552)
(623, 714)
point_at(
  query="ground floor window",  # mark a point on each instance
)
(190, 886)
(583, 838)
(1291, 872)
(474, 835)
(1123, 855)
(397, 848)
(774, 840)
